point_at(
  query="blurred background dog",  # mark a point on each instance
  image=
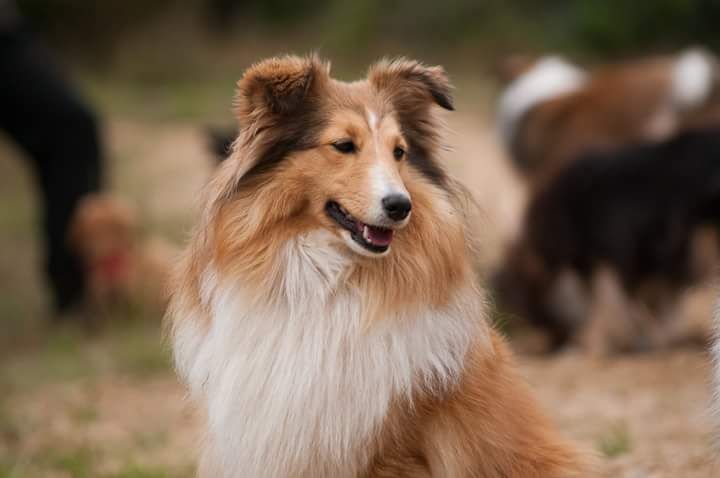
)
(122, 268)
(552, 111)
(618, 247)
(610, 244)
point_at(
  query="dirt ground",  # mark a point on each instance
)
(109, 405)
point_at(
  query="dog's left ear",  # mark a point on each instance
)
(409, 83)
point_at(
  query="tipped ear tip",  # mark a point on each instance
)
(444, 100)
(443, 88)
(392, 71)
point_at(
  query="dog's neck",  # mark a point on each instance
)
(310, 363)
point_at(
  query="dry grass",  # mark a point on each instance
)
(108, 405)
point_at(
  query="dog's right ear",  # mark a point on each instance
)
(278, 87)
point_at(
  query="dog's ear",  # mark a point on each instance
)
(409, 83)
(278, 87)
(413, 89)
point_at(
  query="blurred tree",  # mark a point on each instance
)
(491, 27)
(615, 26)
(86, 26)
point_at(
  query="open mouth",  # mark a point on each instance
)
(373, 238)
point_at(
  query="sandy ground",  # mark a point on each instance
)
(644, 415)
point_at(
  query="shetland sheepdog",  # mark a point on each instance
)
(553, 111)
(327, 316)
(611, 245)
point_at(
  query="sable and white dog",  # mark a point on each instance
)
(553, 112)
(326, 315)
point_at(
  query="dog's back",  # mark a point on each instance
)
(636, 211)
(633, 209)
(617, 105)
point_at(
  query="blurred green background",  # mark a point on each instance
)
(170, 47)
(483, 29)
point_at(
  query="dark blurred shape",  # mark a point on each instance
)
(479, 30)
(59, 133)
(220, 141)
(617, 26)
(225, 13)
(90, 28)
(620, 227)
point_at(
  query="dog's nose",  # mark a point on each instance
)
(397, 206)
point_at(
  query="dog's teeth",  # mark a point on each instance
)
(366, 233)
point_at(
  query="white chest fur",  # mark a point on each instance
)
(297, 387)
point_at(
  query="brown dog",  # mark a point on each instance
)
(119, 266)
(327, 315)
(552, 112)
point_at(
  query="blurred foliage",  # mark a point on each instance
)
(88, 23)
(615, 26)
(583, 27)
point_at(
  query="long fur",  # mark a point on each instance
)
(311, 360)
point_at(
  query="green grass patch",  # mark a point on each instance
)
(9, 470)
(138, 349)
(9, 428)
(208, 99)
(137, 471)
(616, 441)
(77, 462)
(84, 414)
(151, 440)
(132, 348)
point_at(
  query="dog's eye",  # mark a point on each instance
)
(398, 153)
(345, 147)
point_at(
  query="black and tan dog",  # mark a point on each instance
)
(611, 243)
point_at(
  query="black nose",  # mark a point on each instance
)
(397, 206)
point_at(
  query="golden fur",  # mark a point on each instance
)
(265, 211)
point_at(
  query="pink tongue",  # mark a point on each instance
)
(380, 237)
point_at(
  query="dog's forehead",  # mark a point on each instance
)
(363, 102)
(361, 97)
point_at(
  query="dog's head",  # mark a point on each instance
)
(103, 232)
(315, 152)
